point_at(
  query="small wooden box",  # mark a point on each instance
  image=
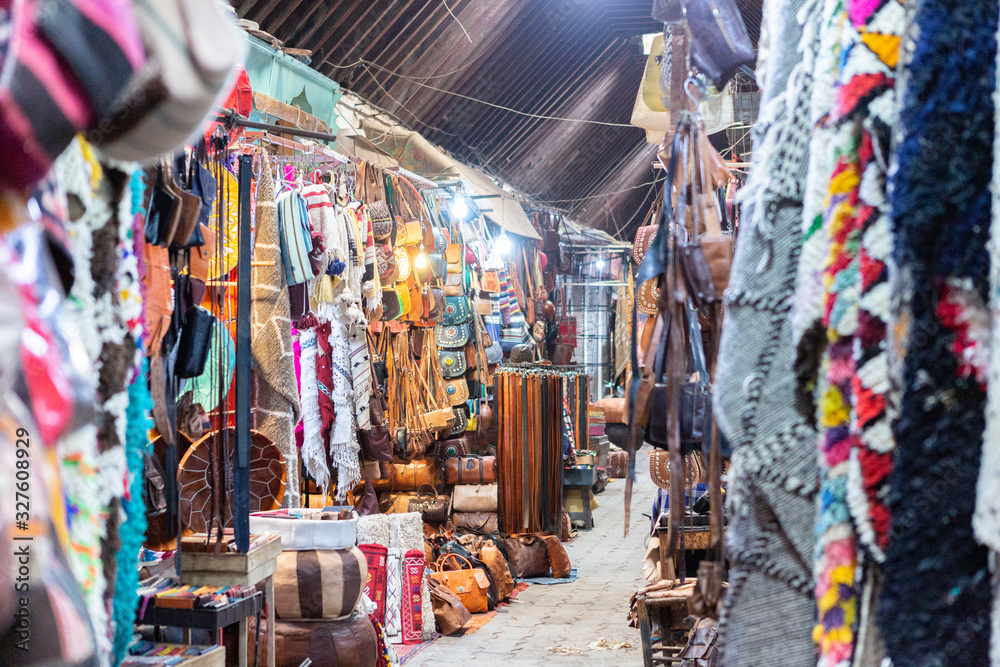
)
(228, 568)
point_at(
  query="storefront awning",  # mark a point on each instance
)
(287, 80)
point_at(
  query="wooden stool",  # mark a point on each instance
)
(669, 609)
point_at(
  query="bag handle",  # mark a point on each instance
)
(432, 493)
(443, 559)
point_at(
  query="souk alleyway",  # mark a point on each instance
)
(554, 625)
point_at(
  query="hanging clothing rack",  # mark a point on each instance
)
(230, 117)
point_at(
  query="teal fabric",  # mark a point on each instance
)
(284, 78)
(133, 529)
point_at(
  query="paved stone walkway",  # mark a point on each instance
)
(572, 615)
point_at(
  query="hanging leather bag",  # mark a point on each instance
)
(449, 612)
(720, 44)
(376, 444)
(567, 325)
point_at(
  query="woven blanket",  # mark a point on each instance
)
(773, 475)
(941, 217)
(275, 396)
(411, 598)
(986, 520)
(393, 593)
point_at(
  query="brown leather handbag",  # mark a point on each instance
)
(701, 650)
(376, 444)
(449, 612)
(528, 554)
(494, 560)
(558, 558)
(614, 410)
(446, 449)
(432, 507)
(470, 470)
(476, 522)
(522, 354)
(647, 293)
(410, 476)
(468, 583)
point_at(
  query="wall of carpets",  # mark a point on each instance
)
(856, 374)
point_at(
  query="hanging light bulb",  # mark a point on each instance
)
(600, 265)
(460, 207)
(421, 261)
(503, 245)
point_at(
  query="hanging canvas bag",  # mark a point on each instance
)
(193, 49)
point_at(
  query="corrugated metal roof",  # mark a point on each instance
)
(574, 59)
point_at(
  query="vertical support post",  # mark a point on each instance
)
(241, 454)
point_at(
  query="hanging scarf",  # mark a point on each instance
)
(324, 380)
(936, 598)
(313, 451)
(296, 237)
(344, 445)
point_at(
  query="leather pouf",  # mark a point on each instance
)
(323, 584)
(351, 642)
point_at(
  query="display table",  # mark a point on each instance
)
(230, 620)
(212, 657)
(237, 569)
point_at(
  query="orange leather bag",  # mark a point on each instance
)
(467, 583)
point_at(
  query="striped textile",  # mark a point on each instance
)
(393, 588)
(296, 241)
(361, 370)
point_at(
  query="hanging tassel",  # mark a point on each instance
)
(336, 268)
